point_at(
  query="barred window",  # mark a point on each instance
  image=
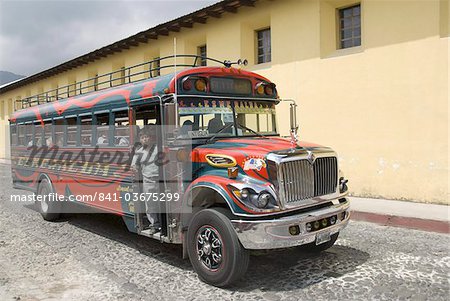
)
(202, 53)
(350, 26)
(264, 46)
(156, 66)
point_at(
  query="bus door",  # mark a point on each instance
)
(146, 119)
(177, 170)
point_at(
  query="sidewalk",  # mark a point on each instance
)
(5, 161)
(427, 217)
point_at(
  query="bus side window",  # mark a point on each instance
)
(13, 134)
(86, 130)
(121, 129)
(59, 132)
(71, 131)
(48, 133)
(29, 134)
(102, 129)
(38, 134)
(21, 134)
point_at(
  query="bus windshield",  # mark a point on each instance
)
(207, 118)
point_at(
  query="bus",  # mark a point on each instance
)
(227, 182)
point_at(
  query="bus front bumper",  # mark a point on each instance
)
(291, 230)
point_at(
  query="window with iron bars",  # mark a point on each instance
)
(350, 26)
(264, 46)
(202, 52)
(156, 66)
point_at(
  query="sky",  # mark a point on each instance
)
(37, 35)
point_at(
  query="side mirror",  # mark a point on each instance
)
(293, 120)
(293, 116)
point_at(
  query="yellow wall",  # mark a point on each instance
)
(382, 106)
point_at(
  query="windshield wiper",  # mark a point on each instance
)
(250, 130)
(218, 132)
(230, 125)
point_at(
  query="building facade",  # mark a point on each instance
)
(370, 78)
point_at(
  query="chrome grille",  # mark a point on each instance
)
(300, 180)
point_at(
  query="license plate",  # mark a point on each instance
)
(323, 237)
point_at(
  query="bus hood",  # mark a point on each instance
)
(249, 155)
(260, 147)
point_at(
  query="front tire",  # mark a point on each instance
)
(48, 208)
(214, 249)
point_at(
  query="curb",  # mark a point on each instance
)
(5, 161)
(402, 221)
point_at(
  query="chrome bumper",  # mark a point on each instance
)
(274, 233)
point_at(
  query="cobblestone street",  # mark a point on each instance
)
(94, 257)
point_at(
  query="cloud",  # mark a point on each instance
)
(37, 35)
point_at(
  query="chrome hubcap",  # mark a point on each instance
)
(44, 202)
(209, 247)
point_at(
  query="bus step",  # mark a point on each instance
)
(157, 235)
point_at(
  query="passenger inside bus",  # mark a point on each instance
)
(123, 141)
(214, 125)
(86, 140)
(49, 141)
(186, 127)
(102, 139)
(121, 136)
(59, 141)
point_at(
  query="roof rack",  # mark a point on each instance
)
(119, 77)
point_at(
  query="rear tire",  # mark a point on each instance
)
(48, 208)
(313, 248)
(214, 249)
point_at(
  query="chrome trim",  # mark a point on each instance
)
(274, 233)
(298, 154)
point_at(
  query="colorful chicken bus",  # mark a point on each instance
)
(228, 183)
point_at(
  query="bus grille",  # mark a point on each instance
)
(301, 180)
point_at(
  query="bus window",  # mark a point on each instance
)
(13, 134)
(146, 116)
(21, 134)
(59, 132)
(102, 129)
(71, 131)
(86, 130)
(48, 133)
(140, 123)
(121, 129)
(38, 134)
(29, 134)
(187, 123)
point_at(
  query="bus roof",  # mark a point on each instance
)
(121, 96)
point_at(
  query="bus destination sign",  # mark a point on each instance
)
(225, 85)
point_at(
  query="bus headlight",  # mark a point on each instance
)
(263, 200)
(200, 85)
(245, 194)
(259, 201)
